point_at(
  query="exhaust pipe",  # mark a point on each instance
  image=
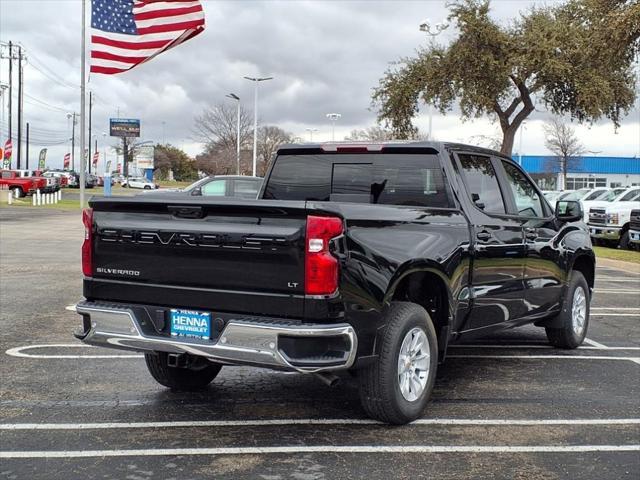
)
(329, 379)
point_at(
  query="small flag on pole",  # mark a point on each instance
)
(96, 157)
(126, 33)
(67, 160)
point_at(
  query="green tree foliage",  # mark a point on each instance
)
(576, 58)
(168, 157)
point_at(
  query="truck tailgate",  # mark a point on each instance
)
(213, 251)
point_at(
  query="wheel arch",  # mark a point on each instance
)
(585, 264)
(426, 285)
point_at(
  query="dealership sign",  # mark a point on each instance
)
(42, 158)
(124, 127)
(8, 147)
(144, 157)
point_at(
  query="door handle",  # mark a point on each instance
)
(483, 235)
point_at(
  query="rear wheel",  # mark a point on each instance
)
(196, 376)
(396, 388)
(574, 316)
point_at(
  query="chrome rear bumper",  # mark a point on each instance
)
(242, 342)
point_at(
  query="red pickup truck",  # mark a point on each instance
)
(21, 186)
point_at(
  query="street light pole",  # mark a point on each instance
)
(256, 80)
(237, 99)
(311, 130)
(333, 117)
(426, 27)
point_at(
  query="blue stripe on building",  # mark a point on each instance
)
(549, 164)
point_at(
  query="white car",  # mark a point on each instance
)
(610, 223)
(139, 182)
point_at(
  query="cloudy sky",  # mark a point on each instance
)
(325, 56)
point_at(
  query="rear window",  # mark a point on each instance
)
(383, 178)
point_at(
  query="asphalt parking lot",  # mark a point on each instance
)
(506, 407)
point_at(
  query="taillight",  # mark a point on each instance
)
(321, 268)
(87, 258)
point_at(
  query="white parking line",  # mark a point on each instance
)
(322, 449)
(544, 347)
(19, 352)
(622, 292)
(620, 309)
(593, 343)
(316, 421)
(538, 357)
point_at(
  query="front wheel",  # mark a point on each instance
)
(196, 376)
(574, 316)
(17, 192)
(624, 241)
(396, 387)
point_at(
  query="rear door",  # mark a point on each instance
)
(497, 289)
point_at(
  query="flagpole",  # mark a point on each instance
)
(83, 81)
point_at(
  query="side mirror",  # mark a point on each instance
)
(196, 191)
(568, 210)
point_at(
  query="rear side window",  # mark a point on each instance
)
(482, 183)
(245, 188)
(383, 178)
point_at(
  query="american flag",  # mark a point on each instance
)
(126, 33)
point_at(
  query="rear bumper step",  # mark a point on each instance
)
(265, 344)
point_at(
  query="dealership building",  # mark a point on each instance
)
(583, 172)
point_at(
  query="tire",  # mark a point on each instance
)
(571, 334)
(624, 241)
(18, 190)
(195, 377)
(147, 187)
(380, 392)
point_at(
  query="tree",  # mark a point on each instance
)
(561, 139)
(371, 134)
(168, 157)
(217, 127)
(270, 138)
(576, 58)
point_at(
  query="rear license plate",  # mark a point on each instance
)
(190, 323)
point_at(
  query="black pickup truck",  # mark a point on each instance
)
(367, 258)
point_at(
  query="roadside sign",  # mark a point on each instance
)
(144, 157)
(124, 127)
(67, 160)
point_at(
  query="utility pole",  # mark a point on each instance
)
(27, 150)
(20, 105)
(83, 111)
(125, 157)
(73, 142)
(90, 108)
(10, 134)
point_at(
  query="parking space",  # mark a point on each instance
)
(508, 406)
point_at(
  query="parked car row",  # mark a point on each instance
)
(608, 212)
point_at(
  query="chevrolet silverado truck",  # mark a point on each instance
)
(21, 186)
(366, 258)
(609, 222)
